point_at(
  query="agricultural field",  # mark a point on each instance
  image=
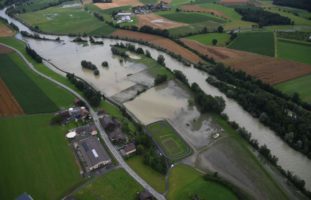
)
(190, 18)
(170, 142)
(154, 178)
(114, 185)
(294, 50)
(27, 93)
(5, 31)
(34, 5)
(300, 85)
(66, 20)
(185, 182)
(222, 38)
(156, 21)
(8, 104)
(256, 42)
(35, 158)
(262, 67)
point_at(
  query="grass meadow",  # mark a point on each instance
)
(169, 140)
(300, 85)
(185, 182)
(222, 38)
(154, 178)
(66, 20)
(255, 42)
(114, 185)
(35, 158)
(294, 50)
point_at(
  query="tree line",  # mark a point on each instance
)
(289, 120)
(32, 53)
(262, 17)
(303, 4)
(89, 65)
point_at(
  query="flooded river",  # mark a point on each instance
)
(68, 55)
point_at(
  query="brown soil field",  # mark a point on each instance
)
(5, 31)
(157, 21)
(118, 3)
(8, 104)
(268, 69)
(196, 8)
(4, 50)
(160, 42)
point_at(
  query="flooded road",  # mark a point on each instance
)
(68, 55)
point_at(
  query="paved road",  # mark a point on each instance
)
(104, 136)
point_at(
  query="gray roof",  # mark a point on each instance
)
(24, 196)
(86, 128)
(117, 134)
(92, 151)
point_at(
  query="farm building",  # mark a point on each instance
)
(108, 123)
(93, 153)
(128, 149)
(123, 17)
(117, 136)
(145, 195)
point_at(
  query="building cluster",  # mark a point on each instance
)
(73, 113)
(122, 17)
(149, 8)
(116, 135)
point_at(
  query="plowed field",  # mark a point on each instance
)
(8, 104)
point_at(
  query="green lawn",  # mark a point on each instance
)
(35, 158)
(154, 178)
(66, 20)
(294, 50)
(185, 182)
(190, 18)
(115, 185)
(170, 142)
(207, 39)
(256, 42)
(300, 85)
(26, 91)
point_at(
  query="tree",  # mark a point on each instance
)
(214, 41)
(161, 60)
(220, 29)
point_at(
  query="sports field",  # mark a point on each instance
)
(190, 18)
(66, 20)
(222, 38)
(154, 178)
(300, 85)
(170, 142)
(256, 42)
(114, 185)
(185, 182)
(25, 90)
(294, 50)
(35, 158)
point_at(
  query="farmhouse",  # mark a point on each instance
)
(108, 123)
(87, 129)
(93, 153)
(117, 136)
(123, 17)
(128, 149)
(148, 8)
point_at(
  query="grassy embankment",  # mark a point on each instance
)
(170, 142)
(114, 185)
(35, 158)
(256, 42)
(60, 20)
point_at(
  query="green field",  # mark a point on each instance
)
(256, 42)
(207, 39)
(66, 20)
(27, 93)
(170, 142)
(300, 85)
(35, 158)
(190, 18)
(115, 185)
(294, 50)
(154, 178)
(185, 182)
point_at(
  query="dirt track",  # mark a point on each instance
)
(196, 8)
(8, 104)
(160, 42)
(268, 69)
(118, 3)
(157, 21)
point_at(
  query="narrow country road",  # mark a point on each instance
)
(103, 135)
